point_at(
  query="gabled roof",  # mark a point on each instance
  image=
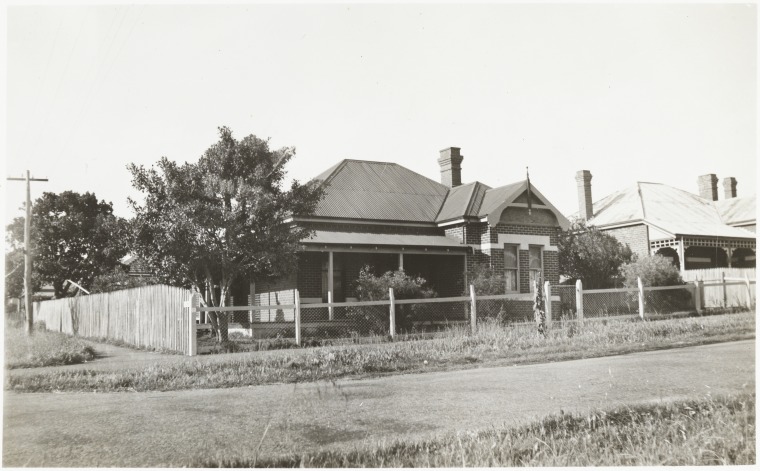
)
(735, 211)
(463, 201)
(671, 210)
(385, 191)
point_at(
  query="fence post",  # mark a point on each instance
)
(192, 334)
(579, 299)
(473, 311)
(392, 310)
(697, 296)
(725, 292)
(641, 297)
(298, 317)
(749, 289)
(548, 303)
(329, 308)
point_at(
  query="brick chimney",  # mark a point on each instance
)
(585, 203)
(708, 186)
(451, 167)
(729, 187)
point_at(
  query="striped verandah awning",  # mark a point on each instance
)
(383, 243)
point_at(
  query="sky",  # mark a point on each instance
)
(644, 92)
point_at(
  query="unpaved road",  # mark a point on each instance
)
(177, 428)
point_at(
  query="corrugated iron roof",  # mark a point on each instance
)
(379, 191)
(385, 191)
(365, 238)
(464, 200)
(670, 209)
(496, 196)
(737, 210)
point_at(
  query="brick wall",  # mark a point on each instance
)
(272, 293)
(636, 237)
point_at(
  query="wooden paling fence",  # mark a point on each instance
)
(155, 316)
(725, 287)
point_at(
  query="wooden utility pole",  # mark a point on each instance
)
(28, 251)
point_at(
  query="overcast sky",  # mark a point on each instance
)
(648, 92)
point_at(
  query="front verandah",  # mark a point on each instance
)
(692, 253)
(326, 275)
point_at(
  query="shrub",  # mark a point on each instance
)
(486, 281)
(654, 270)
(370, 287)
(118, 279)
(657, 270)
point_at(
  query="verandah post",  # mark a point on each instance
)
(641, 297)
(298, 317)
(473, 311)
(579, 299)
(548, 303)
(392, 312)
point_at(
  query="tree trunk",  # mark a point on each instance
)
(212, 315)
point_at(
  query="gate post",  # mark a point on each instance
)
(723, 284)
(749, 290)
(192, 330)
(392, 312)
(548, 303)
(298, 317)
(697, 296)
(579, 299)
(641, 297)
(473, 311)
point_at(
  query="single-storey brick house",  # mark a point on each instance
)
(694, 231)
(384, 215)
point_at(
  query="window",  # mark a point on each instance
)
(535, 263)
(511, 268)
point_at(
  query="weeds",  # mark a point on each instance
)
(456, 349)
(43, 348)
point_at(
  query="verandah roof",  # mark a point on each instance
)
(375, 239)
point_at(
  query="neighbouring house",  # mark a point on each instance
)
(386, 216)
(135, 266)
(694, 231)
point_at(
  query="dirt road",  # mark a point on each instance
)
(176, 428)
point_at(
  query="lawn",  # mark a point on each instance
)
(711, 431)
(43, 348)
(493, 345)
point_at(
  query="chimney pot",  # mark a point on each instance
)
(708, 186)
(451, 167)
(729, 187)
(585, 203)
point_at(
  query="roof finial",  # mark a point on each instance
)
(527, 176)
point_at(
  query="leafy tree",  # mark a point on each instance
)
(119, 279)
(208, 223)
(73, 236)
(593, 256)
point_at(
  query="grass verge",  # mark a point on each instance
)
(43, 348)
(493, 345)
(711, 431)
